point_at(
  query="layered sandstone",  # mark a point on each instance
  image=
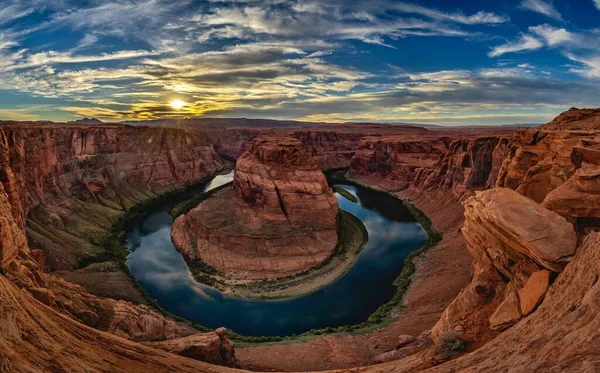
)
(73, 182)
(513, 241)
(279, 219)
(395, 160)
(24, 269)
(579, 197)
(461, 166)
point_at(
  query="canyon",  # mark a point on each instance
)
(279, 218)
(511, 285)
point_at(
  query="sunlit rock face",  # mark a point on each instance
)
(514, 242)
(277, 175)
(279, 219)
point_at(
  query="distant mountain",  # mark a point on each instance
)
(86, 121)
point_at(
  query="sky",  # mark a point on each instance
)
(422, 61)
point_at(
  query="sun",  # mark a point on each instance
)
(177, 104)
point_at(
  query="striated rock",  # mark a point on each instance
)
(503, 228)
(278, 176)
(133, 322)
(405, 339)
(461, 166)
(531, 295)
(409, 345)
(471, 309)
(576, 119)
(540, 161)
(510, 237)
(331, 149)
(12, 239)
(279, 219)
(561, 335)
(36, 338)
(210, 347)
(395, 160)
(73, 182)
(44, 295)
(579, 197)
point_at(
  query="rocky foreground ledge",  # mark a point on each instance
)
(279, 219)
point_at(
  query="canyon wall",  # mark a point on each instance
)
(460, 166)
(41, 182)
(73, 182)
(332, 146)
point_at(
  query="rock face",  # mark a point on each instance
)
(25, 270)
(73, 182)
(579, 197)
(213, 347)
(576, 119)
(461, 166)
(34, 337)
(331, 149)
(279, 177)
(559, 335)
(395, 160)
(279, 219)
(539, 162)
(512, 239)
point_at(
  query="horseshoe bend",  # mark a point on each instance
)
(299, 186)
(512, 275)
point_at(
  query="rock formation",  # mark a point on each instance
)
(461, 166)
(25, 268)
(579, 197)
(513, 240)
(74, 182)
(394, 161)
(279, 219)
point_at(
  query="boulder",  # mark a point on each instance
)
(531, 295)
(507, 313)
(210, 347)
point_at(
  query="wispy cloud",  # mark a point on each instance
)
(543, 7)
(597, 3)
(525, 43)
(480, 17)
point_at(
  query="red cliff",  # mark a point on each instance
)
(279, 219)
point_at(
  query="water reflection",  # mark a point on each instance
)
(162, 272)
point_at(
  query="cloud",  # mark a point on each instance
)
(543, 7)
(525, 43)
(52, 58)
(480, 17)
(546, 35)
(554, 36)
(597, 3)
(590, 65)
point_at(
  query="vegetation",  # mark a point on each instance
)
(352, 238)
(115, 250)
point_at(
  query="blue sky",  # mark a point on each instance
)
(427, 61)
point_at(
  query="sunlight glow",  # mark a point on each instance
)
(177, 104)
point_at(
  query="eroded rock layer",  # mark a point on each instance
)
(279, 219)
(73, 182)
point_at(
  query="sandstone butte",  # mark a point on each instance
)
(278, 219)
(528, 303)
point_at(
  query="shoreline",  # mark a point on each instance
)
(353, 237)
(380, 319)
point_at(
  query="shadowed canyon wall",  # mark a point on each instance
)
(73, 182)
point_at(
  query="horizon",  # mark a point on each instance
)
(413, 62)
